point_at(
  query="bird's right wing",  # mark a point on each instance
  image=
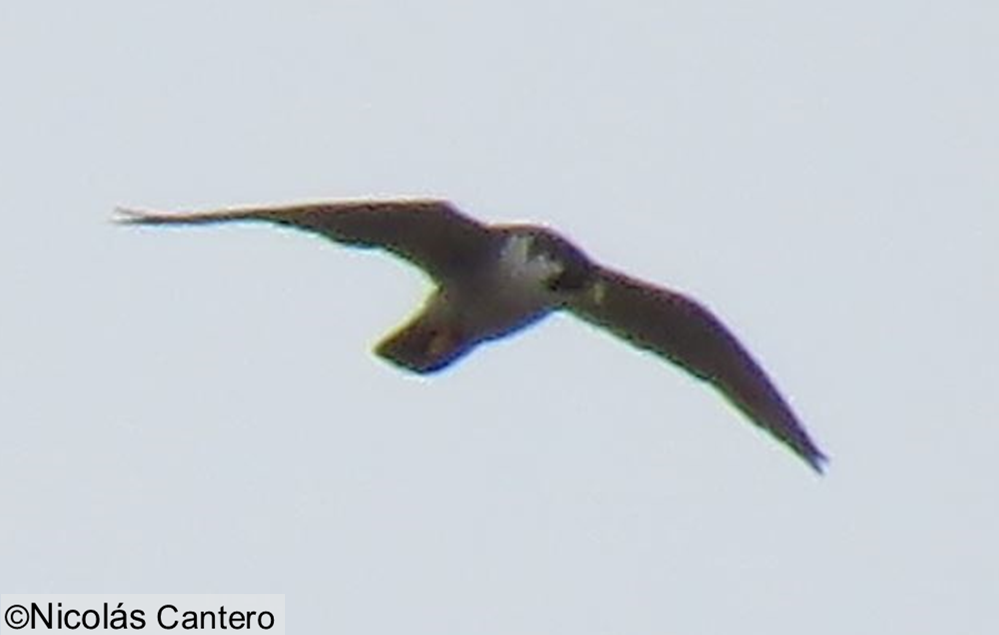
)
(683, 331)
(432, 234)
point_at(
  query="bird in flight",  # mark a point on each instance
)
(495, 279)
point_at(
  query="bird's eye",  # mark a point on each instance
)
(554, 283)
(570, 279)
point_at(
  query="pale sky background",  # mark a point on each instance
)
(198, 410)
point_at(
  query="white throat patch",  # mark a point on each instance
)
(518, 263)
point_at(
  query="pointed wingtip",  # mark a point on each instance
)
(122, 214)
(817, 461)
(136, 216)
(129, 216)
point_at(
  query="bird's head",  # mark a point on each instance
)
(545, 255)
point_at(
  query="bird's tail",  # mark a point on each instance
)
(424, 345)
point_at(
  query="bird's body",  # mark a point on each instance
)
(509, 296)
(493, 280)
(486, 302)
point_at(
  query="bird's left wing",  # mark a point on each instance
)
(678, 328)
(431, 233)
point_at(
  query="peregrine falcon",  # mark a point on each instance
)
(495, 279)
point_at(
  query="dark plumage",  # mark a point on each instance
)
(493, 280)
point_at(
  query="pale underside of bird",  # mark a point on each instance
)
(494, 279)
